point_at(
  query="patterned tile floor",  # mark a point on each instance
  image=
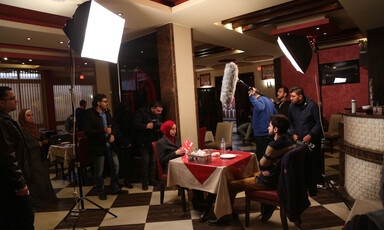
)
(142, 210)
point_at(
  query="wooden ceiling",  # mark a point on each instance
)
(326, 30)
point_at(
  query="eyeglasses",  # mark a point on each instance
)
(9, 99)
(105, 101)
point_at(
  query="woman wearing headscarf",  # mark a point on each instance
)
(41, 190)
(168, 147)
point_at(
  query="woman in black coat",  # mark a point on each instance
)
(168, 147)
(42, 192)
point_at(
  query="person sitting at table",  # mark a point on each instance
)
(266, 178)
(41, 190)
(168, 148)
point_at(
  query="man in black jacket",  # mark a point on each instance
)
(282, 105)
(15, 209)
(305, 126)
(98, 127)
(147, 127)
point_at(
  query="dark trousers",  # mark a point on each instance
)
(148, 165)
(16, 213)
(261, 145)
(127, 164)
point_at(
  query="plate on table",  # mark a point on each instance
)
(228, 156)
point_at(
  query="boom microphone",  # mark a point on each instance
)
(230, 80)
(228, 86)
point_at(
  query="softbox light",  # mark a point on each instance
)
(95, 32)
(297, 49)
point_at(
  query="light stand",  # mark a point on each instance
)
(298, 50)
(79, 200)
(94, 32)
(327, 183)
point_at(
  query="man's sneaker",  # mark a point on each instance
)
(102, 196)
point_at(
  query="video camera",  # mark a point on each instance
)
(310, 145)
(156, 124)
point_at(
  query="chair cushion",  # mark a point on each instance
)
(331, 135)
(267, 194)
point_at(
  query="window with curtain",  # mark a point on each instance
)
(63, 104)
(26, 85)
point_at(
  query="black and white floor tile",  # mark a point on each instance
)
(142, 210)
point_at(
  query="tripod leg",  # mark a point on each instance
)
(100, 207)
(70, 211)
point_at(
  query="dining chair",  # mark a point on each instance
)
(333, 129)
(84, 159)
(223, 130)
(290, 203)
(163, 179)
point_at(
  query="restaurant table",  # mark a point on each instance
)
(63, 154)
(212, 177)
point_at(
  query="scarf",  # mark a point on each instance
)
(165, 128)
(30, 128)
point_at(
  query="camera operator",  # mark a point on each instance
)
(147, 129)
(305, 126)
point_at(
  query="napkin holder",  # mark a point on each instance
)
(199, 159)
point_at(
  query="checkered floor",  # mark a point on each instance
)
(142, 210)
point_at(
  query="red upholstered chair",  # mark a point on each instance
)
(266, 197)
(84, 159)
(163, 178)
(291, 190)
(202, 132)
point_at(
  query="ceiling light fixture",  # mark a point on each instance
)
(120, 14)
(29, 59)
(61, 42)
(5, 58)
(28, 38)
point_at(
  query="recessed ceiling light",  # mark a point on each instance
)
(120, 14)
(61, 42)
(85, 63)
(5, 58)
(141, 51)
(23, 63)
(30, 60)
(317, 28)
(325, 33)
(28, 38)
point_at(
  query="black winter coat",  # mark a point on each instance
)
(94, 130)
(166, 150)
(142, 134)
(14, 156)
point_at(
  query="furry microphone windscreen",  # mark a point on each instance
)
(228, 86)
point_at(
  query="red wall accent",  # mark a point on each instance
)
(335, 97)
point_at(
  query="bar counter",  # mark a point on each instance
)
(361, 155)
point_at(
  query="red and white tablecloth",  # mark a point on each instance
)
(212, 177)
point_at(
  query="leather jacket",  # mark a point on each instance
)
(14, 156)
